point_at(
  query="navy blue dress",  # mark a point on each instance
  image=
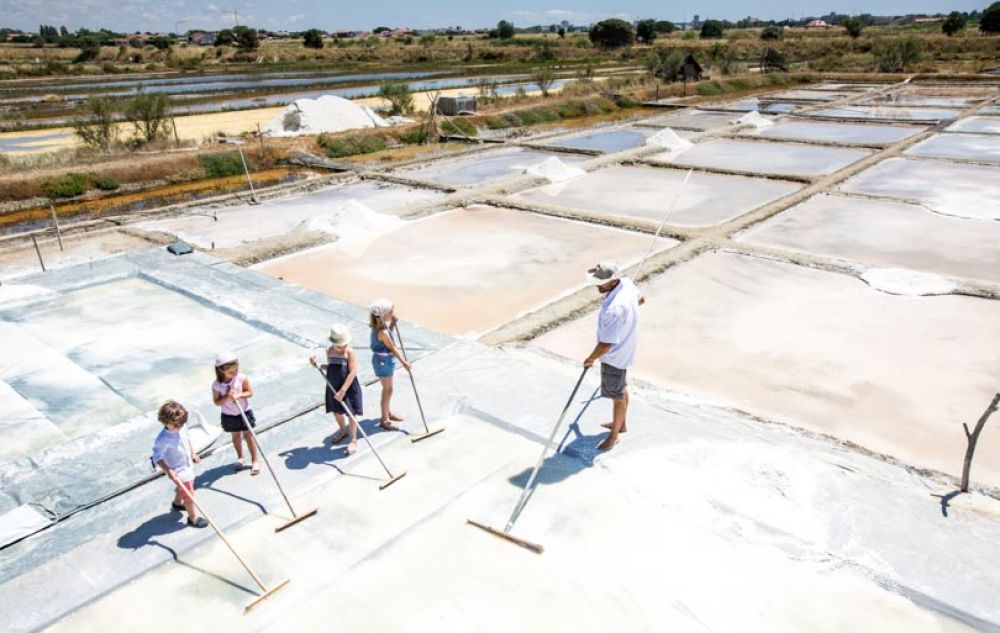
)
(336, 373)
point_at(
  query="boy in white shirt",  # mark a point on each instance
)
(173, 453)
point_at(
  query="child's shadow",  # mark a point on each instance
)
(208, 478)
(162, 525)
(302, 457)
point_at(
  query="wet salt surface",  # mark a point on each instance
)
(884, 233)
(608, 142)
(694, 119)
(272, 218)
(976, 124)
(919, 100)
(467, 270)
(981, 147)
(889, 113)
(970, 191)
(819, 350)
(84, 372)
(811, 95)
(648, 192)
(749, 105)
(843, 132)
(765, 158)
(485, 167)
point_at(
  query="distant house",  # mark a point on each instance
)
(817, 24)
(201, 38)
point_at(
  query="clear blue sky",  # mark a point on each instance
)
(162, 15)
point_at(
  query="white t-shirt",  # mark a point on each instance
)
(174, 448)
(618, 324)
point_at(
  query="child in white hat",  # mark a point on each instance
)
(342, 373)
(384, 354)
(231, 391)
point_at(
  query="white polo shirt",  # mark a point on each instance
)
(174, 448)
(618, 324)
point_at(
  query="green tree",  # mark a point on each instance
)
(96, 127)
(246, 38)
(380, 29)
(398, 95)
(645, 31)
(160, 43)
(854, 26)
(149, 114)
(613, 33)
(665, 64)
(954, 23)
(312, 39)
(225, 38)
(505, 29)
(562, 32)
(665, 26)
(711, 29)
(543, 78)
(772, 33)
(989, 21)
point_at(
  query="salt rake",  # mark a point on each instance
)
(295, 517)
(663, 220)
(413, 383)
(392, 478)
(265, 591)
(505, 533)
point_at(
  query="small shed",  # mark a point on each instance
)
(691, 70)
(452, 106)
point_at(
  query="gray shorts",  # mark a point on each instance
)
(613, 382)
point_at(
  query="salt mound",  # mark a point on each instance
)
(755, 119)
(326, 114)
(899, 281)
(668, 139)
(353, 219)
(17, 292)
(554, 170)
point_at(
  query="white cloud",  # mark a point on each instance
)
(296, 17)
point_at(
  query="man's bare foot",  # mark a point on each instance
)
(610, 425)
(338, 437)
(607, 444)
(395, 418)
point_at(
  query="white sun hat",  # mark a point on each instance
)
(380, 307)
(603, 273)
(225, 358)
(339, 334)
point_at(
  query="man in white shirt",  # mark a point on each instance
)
(617, 341)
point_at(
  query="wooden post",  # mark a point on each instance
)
(973, 438)
(261, 138)
(173, 124)
(55, 221)
(38, 252)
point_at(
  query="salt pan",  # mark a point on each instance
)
(900, 281)
(10, 293)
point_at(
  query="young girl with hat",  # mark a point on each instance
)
(342, 373)
(231, 391)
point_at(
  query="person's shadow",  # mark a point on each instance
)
(567, 460)
(208, 478)
(302, 457)
(145, 535)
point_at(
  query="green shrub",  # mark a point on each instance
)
(497, 123)
(352, 145)
(590, 108)
(513, 119)
(414, 137)
(605, 105)
(570, 110)
(459, 126)
(104, 183)
(710, 89)
(65, 186)
(529, 117)
(221, 164)
(625, 101)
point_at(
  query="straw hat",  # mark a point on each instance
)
(380, 307)
(603, 273)
(225, 358)
(339, 334)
